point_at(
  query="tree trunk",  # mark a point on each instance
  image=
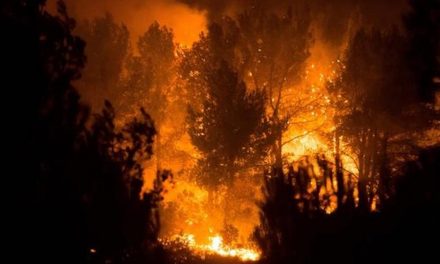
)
(339, 173)
(278, 151)
(362, 181)
(384, 172)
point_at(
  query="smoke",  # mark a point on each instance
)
(137, 15)
(331, 18)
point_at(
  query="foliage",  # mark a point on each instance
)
(377, 128)
(149, 77)
(422, 26)
(81, 178)
(107, 49)
(274, 49)
(229, 129)
(294, 230)
(123, 220)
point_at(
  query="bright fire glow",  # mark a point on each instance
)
(217, 247)
(196, 217)
(202, 230)
(203, 210)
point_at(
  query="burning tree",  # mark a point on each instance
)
(206, 55)
(226, 120)
(150, 79)
(229, 128)
(150, 74)
(268, 51)
(106, 50)
(274, 49)
(379, 109)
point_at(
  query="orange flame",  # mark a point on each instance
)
(217, 247)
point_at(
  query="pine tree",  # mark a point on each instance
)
(229, 129)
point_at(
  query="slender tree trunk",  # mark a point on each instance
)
(370, 170)
(374, 148)
(362, 181)
(384, 173)
(279, 150)
(339, 173)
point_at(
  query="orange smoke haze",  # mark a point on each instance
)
(137, 15)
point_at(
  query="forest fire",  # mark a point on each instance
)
(192, 218)
(223, 131)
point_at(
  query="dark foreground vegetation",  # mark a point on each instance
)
(298, 231)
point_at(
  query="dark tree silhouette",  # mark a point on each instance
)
(210, 72)
(150, 74)
(106, 50)
(274, 48)
(123, 221)
(229, 128)
(294, 229)
(79, 197)
(422, 25)
(288, 215)
(206, 55)
(40, 59)
(268, 51)
(150, 80)
(377, 128)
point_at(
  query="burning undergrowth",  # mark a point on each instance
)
(211, 222)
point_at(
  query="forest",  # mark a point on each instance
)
(221, 131)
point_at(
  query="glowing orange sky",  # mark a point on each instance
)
(137, 15)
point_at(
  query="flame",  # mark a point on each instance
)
(204, 211)
(204, 216)
(310, 131)
(216, 246)
(219, 248)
